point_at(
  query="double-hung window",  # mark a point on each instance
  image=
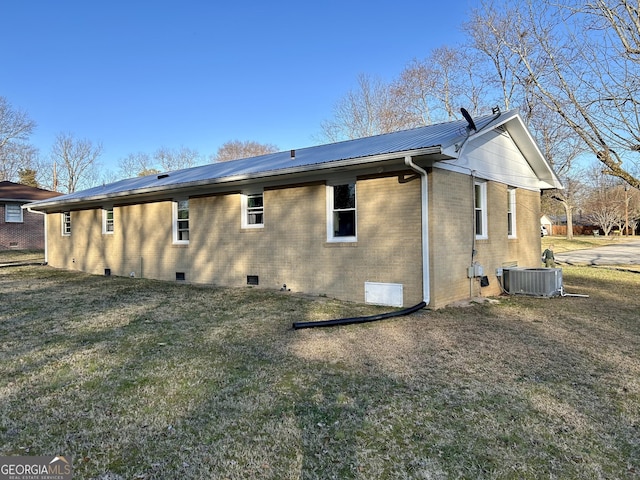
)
(511, 212)
(480, 206)
(181, 221)
(107, 220)
(13, 213)
(253, 210)
(66, 223)
(341, 212)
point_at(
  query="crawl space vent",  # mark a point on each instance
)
(180, 276)
(252, 279)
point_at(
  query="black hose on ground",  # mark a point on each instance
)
(352, 320)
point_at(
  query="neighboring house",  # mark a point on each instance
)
(19, 228)
(393, 219)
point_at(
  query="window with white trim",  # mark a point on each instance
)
(13, 213)
(253, 210)
(341, 213)
(66, 223)
(181, 221)
(480, 207)
(511, 212)
(107, 220)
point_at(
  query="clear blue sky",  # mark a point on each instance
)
(138, 75)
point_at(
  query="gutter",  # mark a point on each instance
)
(426, 281)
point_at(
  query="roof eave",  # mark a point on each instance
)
(157, 191)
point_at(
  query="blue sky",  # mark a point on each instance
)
(138, 75)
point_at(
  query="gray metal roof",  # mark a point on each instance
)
(360, 151)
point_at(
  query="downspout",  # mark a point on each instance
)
(426, 290)
(46, 243)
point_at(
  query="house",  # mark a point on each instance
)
(21, 229)
(428, 214)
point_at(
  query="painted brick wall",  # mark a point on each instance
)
(28, 235)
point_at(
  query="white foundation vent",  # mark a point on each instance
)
(390, 294)
(540, 282)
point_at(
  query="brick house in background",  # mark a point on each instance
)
(19, 228)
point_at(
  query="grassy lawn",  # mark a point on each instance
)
(579, 242)
(140, 379)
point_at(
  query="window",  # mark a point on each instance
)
(66, 223)
(253, 210)
(12, 213)
(480, 205)
(181, 221)
(341, 213)
(107, 220)
(511, 212)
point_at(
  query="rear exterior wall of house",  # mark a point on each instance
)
(291, 248)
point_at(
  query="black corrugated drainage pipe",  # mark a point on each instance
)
(349, 321)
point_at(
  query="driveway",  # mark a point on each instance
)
(621, 254)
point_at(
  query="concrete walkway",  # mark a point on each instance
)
(627, 253)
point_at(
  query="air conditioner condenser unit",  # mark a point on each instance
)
(539, 282)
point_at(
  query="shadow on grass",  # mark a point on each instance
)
(147, 379)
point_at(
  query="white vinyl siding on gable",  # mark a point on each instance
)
(13, 213)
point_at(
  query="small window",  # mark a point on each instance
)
(341, 213)
(181, 221)
(480, 205)
(107, 220)
(13, 213)
(511, 212)
(253, 210)
(66, 223)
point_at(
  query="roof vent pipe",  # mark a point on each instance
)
(293, 154)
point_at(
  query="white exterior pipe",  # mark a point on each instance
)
(426, 290)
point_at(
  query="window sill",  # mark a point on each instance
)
(340, 244)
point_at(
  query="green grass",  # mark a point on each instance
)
(140, 379)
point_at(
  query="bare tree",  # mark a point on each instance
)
(15, 128)
(605, 201)
(371, 109)
(136, 165)
(74, 161)
(171, 159)
(237, 149)
(577, 60)
(433, 89)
